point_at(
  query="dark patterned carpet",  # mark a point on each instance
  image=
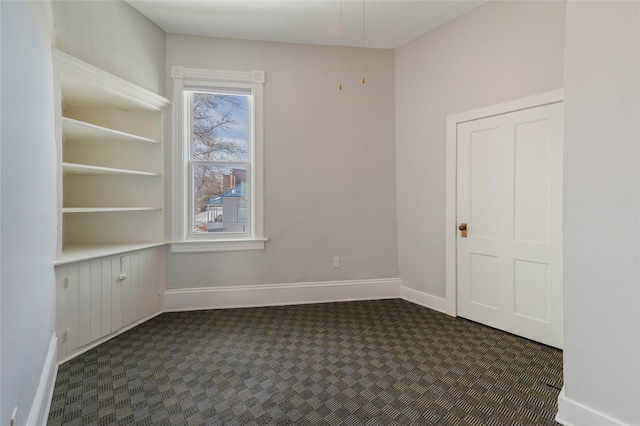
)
(387, 362)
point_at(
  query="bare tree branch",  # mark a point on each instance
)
(212, 118)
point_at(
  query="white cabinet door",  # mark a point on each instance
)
(510, 198)
(97, 298)
(139, 290)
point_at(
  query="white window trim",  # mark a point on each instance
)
(197, 77)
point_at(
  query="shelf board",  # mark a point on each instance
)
(107, 209)
(79, 252)
(85, 169)
(88, 87)
(80, 131)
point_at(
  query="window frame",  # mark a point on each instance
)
(194, 79)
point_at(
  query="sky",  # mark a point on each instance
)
(240, 116)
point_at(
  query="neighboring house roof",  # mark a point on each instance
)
(239, 190)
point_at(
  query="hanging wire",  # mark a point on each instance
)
(363, 25)
(340, 61)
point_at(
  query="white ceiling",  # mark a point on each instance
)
(388, 23)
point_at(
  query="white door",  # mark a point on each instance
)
(509, 265)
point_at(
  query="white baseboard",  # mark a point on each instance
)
(572, 413)
(42, 402)
(425, 299)
(189, 299)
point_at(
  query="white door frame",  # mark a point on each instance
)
(451, 225)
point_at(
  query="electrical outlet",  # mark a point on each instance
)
(336, 262)
(13, 421)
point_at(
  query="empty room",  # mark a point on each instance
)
(360, 212)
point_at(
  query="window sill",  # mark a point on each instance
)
(217, 245)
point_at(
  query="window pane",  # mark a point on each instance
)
(218, 191)
(220, 127)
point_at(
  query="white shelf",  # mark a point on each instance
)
(107, 209)
(109, 135)
(79, 131)
(79, 252)
(85, 169)
(88, 87)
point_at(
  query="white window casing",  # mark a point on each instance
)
(185, 79)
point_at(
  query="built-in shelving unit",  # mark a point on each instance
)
(110, 153)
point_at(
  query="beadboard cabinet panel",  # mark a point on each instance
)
(100, 298)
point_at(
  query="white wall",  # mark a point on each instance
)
(497, 52)
(329, 165)
(28, 223)
(114, 37)
(602, 214)
(111, 35)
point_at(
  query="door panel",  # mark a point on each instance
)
(531, 289)
(484, 180)
(531, 213)
(510, 197)
(484, 288)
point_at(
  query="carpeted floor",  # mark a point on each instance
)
(386, 362)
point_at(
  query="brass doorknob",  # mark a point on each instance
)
(462, 227)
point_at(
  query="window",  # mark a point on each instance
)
(219, 142)
(218, 160)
